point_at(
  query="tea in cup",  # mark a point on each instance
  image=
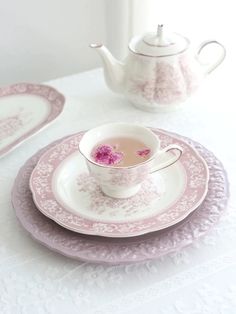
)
(120, 156)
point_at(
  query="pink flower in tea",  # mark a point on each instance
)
(143, 152)
(115, 158)
(105, 155)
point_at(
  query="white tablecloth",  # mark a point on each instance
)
(198, 279)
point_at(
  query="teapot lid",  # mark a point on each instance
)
(159, 44)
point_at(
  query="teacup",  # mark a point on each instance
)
(124, 182)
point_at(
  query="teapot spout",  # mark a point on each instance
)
(113, 69)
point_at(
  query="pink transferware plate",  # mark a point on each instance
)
(121, 250)
(64, 191)
(24, 110)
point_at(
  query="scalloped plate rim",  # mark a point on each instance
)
(141, 232)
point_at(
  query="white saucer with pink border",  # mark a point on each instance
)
(64, 191)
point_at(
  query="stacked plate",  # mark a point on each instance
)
(62, 207)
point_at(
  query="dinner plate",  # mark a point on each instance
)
(24, 110)
(64, 191)
(121, 250)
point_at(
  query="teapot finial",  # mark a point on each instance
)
(159, 30)
(160, 33)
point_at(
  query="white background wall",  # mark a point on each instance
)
(197, 20)
(46, 39)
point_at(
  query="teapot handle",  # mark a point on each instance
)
(212, 67)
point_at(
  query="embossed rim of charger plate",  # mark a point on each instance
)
(121, 250)
(50, 95)
(195, 189)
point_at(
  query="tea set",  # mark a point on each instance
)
(87, 199)
(160, 72)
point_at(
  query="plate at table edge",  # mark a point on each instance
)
(74, 222)
(54, 98)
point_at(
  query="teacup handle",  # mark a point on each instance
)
(170, 161)
(211, 67)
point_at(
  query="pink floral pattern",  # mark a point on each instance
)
(165, 87)
(170, 83)
(10, 125)
(99, 202)
(129, 250)
(122, 177)
(13, 123)
(191, 77)
(40, 184)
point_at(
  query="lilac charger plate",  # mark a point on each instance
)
(121, 250)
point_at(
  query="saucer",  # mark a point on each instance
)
(64, 191)
(121, 250)
(25, 110)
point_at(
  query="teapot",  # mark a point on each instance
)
(160, 71)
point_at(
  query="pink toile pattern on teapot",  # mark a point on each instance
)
(169, 83)
(160, 71)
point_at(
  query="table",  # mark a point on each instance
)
(198, 279)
